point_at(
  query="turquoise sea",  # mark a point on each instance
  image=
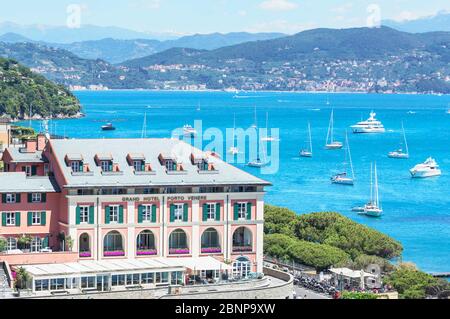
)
(416, 212)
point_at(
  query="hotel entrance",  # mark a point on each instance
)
(103, 282)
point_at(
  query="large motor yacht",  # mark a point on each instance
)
(427, 169)
(371, 125)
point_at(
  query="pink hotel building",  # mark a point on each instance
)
(152, 209)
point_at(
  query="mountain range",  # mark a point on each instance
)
(357, 59)
(434, 23)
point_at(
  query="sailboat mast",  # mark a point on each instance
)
(371, 183)
(404, 137)
(310, 138)
(376, 187)
(332, 126)
(349, 155)
(144, 127)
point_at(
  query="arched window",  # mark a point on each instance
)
(210, 241)
(11, 243)
(242, 267)
(178, 242)
(84, 243)
(36, 244)
(145, 243)
(242, 240)
(113, 244)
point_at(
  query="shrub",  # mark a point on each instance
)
(3, 244)
(358, 295)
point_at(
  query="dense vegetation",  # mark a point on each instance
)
(20, 88)
(412, 283)
(322, 240)
(358, 295)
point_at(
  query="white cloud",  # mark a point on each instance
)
(407, 16)
(281, 26)
(278, 5)
(343, 8)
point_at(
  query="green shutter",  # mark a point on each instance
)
(107, 215)
(185, 213)
(249, 211)
(218, 212)
(30, 197)
(77, 215)
(143, 166)
(91, 215)
(17, 198)
(172, 213)
(18, 219)
(120, 214)
(3, 198)
(45, 242)
(236, 211)
(205, 212)
(33, 170)
(43, 218)
(174, 166)
(29, 218)
(110, 167)
(153, 213)
(3, 219)
(140, 214)
(43, 198)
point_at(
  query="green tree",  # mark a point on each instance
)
(3, 244)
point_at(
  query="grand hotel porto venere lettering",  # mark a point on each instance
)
(127, 206)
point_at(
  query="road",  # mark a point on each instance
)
(301, 292)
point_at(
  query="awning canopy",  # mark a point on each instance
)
(202, 263)
(346, 272)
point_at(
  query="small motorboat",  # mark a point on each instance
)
(427, 169)
(189, 131)
(108, 127)
(257, 163)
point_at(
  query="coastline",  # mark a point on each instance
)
(79, 115)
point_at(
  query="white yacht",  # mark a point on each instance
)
(330, 143)
(308, 152)
(427, 169)
(371, 125)
(399, 153)
(189, 131)
(257, 163)
(373, 208)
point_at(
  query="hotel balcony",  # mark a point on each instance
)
(179, 251)
(242, 249)
(115, 253)
(147, 252)
(211, 250)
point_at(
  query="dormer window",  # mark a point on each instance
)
(202, 161)
(203, 165)
(171, 165)
(106, 166)
(139, 166)
(76, 166)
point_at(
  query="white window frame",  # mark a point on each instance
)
(11, 198)
(28, 170)
(242, 210)
(178, 212)
(211, 211)
(169, 165)
(11, 243)
(105, 166)
(10, 218)
(84, 214)
(147, 213)
(137, 165)
(36, 218)
(36, 244)
(36, 197)
(114, 213)
(75, 165)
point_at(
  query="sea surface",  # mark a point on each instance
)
(416, 212)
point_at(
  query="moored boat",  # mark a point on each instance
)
(108, 127)
(371, 125)
(427, 169)
(330, 143)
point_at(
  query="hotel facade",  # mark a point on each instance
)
(146, 206)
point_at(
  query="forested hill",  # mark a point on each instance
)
(22, 90)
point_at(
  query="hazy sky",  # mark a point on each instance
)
(206, 16)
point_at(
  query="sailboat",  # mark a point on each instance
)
(259, 162)
(308, 152)
(144, 127)
(331, 144)
(199, 107)
(255, 124)
(400, 154)
(373, 208)
(343, 178)
(234, 150)
(268, 138)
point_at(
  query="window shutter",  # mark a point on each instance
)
(174, 166)
(140, 214)
(3, 219)
(43, 198)
(120, 214)
(107, 215)
(218, 212)
(33, 170)
(17, 198)
(143, 166)
(18, 219)
(91, 215)
(77, 215)
(43, 218)
(29, 218)
(172, 213)
(185, 213)
(205, 212)
(249, 211)
(3, 198)
(110, 167)
(30, 197)
(45, 242)
(236, 211)
(153, 213)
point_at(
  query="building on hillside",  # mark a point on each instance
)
(5, 133)
(73, 205)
